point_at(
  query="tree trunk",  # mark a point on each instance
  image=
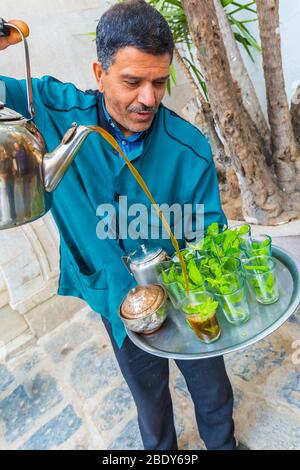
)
(201, 115)
(263, 201)
(295, 113)
(228, 183)
(205, 122)
(240, 74)
(285, 152)
(198, 112)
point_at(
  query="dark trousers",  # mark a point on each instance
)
(148, 379)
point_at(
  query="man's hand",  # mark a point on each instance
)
(14, 37)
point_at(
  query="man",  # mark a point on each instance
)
(134, 48)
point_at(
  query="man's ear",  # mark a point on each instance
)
(98, 74)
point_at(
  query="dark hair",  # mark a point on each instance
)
(132, 23)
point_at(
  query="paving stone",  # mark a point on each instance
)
(290, 390)
(257, 360)
(180, 386)
(20, 345)
(29, 364)
(95, 317)
(295, 318)
(239, 396)
(12, 324)
(186, 428)
(6, 378)
(113, 408)
(129, 438)
(179, 427)
(26, 403)
(190, 440)
(48, 315)
(55, 432)
(262, 427)
(67, 340)
(93, 371)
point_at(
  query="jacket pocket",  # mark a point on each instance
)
(95, 280)
(77, 280)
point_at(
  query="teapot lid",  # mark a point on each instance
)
(7, 114)
(144, 253)
(142, 300)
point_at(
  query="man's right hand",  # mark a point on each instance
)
(14, 37)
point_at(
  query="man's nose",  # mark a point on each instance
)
(147, 96)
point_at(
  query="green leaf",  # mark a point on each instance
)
(262, 269)
(168, 87)
(205, 309)
(197, 246)
(245, 32)
(243, 230)
(165, 277)
(173, 73)
(195, 275)
(225, 3)
(172, 273)
(241, 7)
(213, 229)
(270, 281)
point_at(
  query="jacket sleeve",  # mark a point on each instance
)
(16, 95)
(16, 98)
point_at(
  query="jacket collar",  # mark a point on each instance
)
(103, 121)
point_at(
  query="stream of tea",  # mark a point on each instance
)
(109, 138)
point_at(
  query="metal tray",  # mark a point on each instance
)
(176, 341)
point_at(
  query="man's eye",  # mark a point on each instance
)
(131, 83)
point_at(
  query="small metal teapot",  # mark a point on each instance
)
(27, 173)
(143, 263)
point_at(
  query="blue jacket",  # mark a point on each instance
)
(176, 164)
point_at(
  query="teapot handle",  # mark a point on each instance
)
(125, 260)
(4, 31)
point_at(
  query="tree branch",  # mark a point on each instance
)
(240, 74)
(190, 78)
(295, 113)
(202, 117)
(285, 153)
(263, 202)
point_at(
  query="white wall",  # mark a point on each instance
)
(56, 47)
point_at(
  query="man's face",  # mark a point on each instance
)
(133, 87)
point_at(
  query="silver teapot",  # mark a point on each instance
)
(27, 173)
(143, 263)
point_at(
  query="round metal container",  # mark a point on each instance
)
(143, 309)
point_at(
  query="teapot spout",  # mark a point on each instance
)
(56, 163)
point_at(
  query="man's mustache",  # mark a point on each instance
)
(142, 109)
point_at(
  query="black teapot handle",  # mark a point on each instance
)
(4, 30)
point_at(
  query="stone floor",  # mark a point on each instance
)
(66, 391)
